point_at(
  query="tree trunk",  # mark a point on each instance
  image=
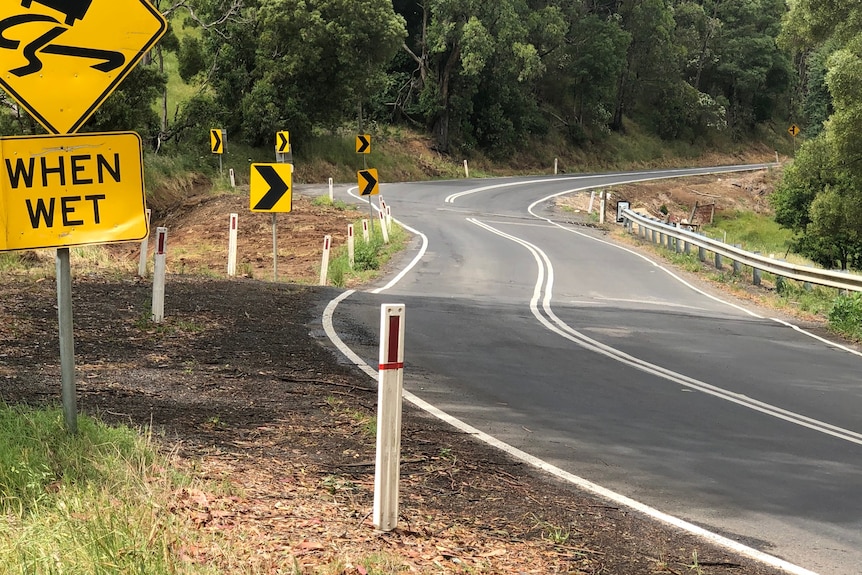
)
(443, 117)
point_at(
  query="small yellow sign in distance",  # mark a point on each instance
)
(271, 188)
(217, 141)
(62, 59)
(282, 142)
(793, 130)
(63, 191)
(363, 144)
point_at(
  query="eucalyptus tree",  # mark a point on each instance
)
(292, 64)
(476, 64)
(819, 196)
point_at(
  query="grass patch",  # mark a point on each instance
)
(91, 503)
(369, 256)
(845, 316)
(755, 232)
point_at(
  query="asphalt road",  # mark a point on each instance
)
(586, 355)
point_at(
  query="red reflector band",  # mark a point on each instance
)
(388, 366)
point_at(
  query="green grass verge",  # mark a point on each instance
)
(369, 256)
(842, 313)
(91, 503)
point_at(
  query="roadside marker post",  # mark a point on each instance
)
(232, 177)
(602, 201)
(466, 170)
(365, 233)
(592, 200)
(351, 246)
(145, 246)
(231, 248)
(389, 403)
(387, 215)
(383, 226)
(331, 191)
(324, 264)
(159, 272)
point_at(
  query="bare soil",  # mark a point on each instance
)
(240, 383)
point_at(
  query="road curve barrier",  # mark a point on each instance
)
(681, 240)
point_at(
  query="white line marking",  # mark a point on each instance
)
(659, 303)
(564, 330)
(661, 175)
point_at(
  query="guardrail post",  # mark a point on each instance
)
(718, 262)
(737, 267)
(780, 282)
(701, 253)
(755, 280)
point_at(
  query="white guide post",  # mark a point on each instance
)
(602, 201)
(466, 169)
(556, 166)
(389, 399)
(145, 245)
(592, 199)
(159, 272)
(351, 246)
(387, 215)
(232, 178)
(331, 191)
(231, 248)
(383, 226)
(365, 233)
(324, 264)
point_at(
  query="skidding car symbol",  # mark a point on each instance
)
(108, 60)
(73, 9)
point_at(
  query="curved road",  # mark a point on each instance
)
(608, 367)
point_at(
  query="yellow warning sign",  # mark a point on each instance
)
(60, 59)
(62, 191)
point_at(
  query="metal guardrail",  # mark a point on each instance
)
(681, 239)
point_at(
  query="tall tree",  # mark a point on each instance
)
(287, 64)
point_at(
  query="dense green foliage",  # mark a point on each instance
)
(478, 75)
(819, 198)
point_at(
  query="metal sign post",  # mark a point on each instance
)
(274, 248)
(67, 339)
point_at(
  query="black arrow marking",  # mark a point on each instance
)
(283, 144)
(277, 188)
(364, 144)
(217, 135)
(370, 184)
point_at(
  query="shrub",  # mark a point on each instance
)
(846, 316)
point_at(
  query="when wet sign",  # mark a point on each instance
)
(63, 191)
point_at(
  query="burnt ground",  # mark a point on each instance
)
(238, 384)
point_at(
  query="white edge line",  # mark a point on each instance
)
(415, 260)
(553, 470)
